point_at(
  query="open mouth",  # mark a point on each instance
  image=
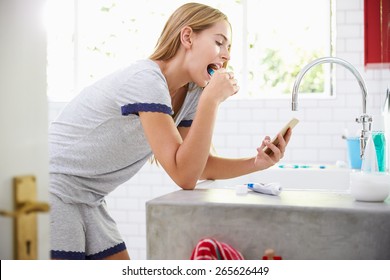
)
(211, 68)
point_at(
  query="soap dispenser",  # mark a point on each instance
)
(369, 161)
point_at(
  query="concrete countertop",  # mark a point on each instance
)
(302, 199)
(296, 224)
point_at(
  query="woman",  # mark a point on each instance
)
(163, 106)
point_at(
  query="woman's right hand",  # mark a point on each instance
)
(221, 86)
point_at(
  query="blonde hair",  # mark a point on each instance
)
(197, 16)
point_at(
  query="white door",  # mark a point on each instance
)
(23, 112)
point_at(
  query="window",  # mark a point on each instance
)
(283, 36)
(272, 41)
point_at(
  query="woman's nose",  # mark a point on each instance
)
(226, 54)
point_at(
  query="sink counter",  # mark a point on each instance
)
(296, 224)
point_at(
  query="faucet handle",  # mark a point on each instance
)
(366, 121)
(364, 118)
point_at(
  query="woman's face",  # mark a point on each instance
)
(210, 48)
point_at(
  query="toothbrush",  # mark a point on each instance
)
(210, 70)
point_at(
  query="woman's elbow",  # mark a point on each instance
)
(185, 179)
(186, 184)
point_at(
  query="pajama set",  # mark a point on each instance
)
(96, 144)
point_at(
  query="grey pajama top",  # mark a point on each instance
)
(97, 142)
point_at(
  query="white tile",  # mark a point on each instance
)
(118, 215)
(226, 127)
(349, 5)
(296, 141)
(304, 155)
(332, 155)
(331, 127)
(238, 141)
(239, 115)
(136, 217)
(319, 114)
(340, 17)
(348, 31)
(338, 101)
(264, 114)
(136, 242)
(251, 127)
(354, 45)
(139, 191)
(354, 17)
(318, 141)
(141, 254)
(127, 203)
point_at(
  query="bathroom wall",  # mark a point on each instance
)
(23, 112)
(242, 124)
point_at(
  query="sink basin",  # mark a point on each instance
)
(329, 178)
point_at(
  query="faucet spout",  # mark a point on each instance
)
(364, 118)
(322, 60)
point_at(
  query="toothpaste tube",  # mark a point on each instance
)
(270, 188)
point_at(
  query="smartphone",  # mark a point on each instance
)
(291, 124)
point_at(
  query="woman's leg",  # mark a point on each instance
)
(67, 238)
(103, 240)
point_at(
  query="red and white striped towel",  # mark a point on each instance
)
(211, 249)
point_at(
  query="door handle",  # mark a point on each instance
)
(25, 218)
(26, 208)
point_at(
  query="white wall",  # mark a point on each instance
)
(23, 111)
(243, 123)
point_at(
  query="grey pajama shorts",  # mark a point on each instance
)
(80, 231)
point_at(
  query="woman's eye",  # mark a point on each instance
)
(218, 43)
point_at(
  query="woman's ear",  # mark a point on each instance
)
(186, 36)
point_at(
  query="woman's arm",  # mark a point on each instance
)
(225, 168)
(185, 160)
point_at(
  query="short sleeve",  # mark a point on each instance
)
(145, 91)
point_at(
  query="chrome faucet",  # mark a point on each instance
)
(364, 119)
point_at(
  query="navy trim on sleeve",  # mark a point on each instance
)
(103, 254)
(185, 123)
(65, 255)
(145, 107)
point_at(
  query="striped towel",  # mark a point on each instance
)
(211, 249)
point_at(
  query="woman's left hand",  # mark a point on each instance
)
(263, 160)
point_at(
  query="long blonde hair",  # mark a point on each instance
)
(197, 16)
